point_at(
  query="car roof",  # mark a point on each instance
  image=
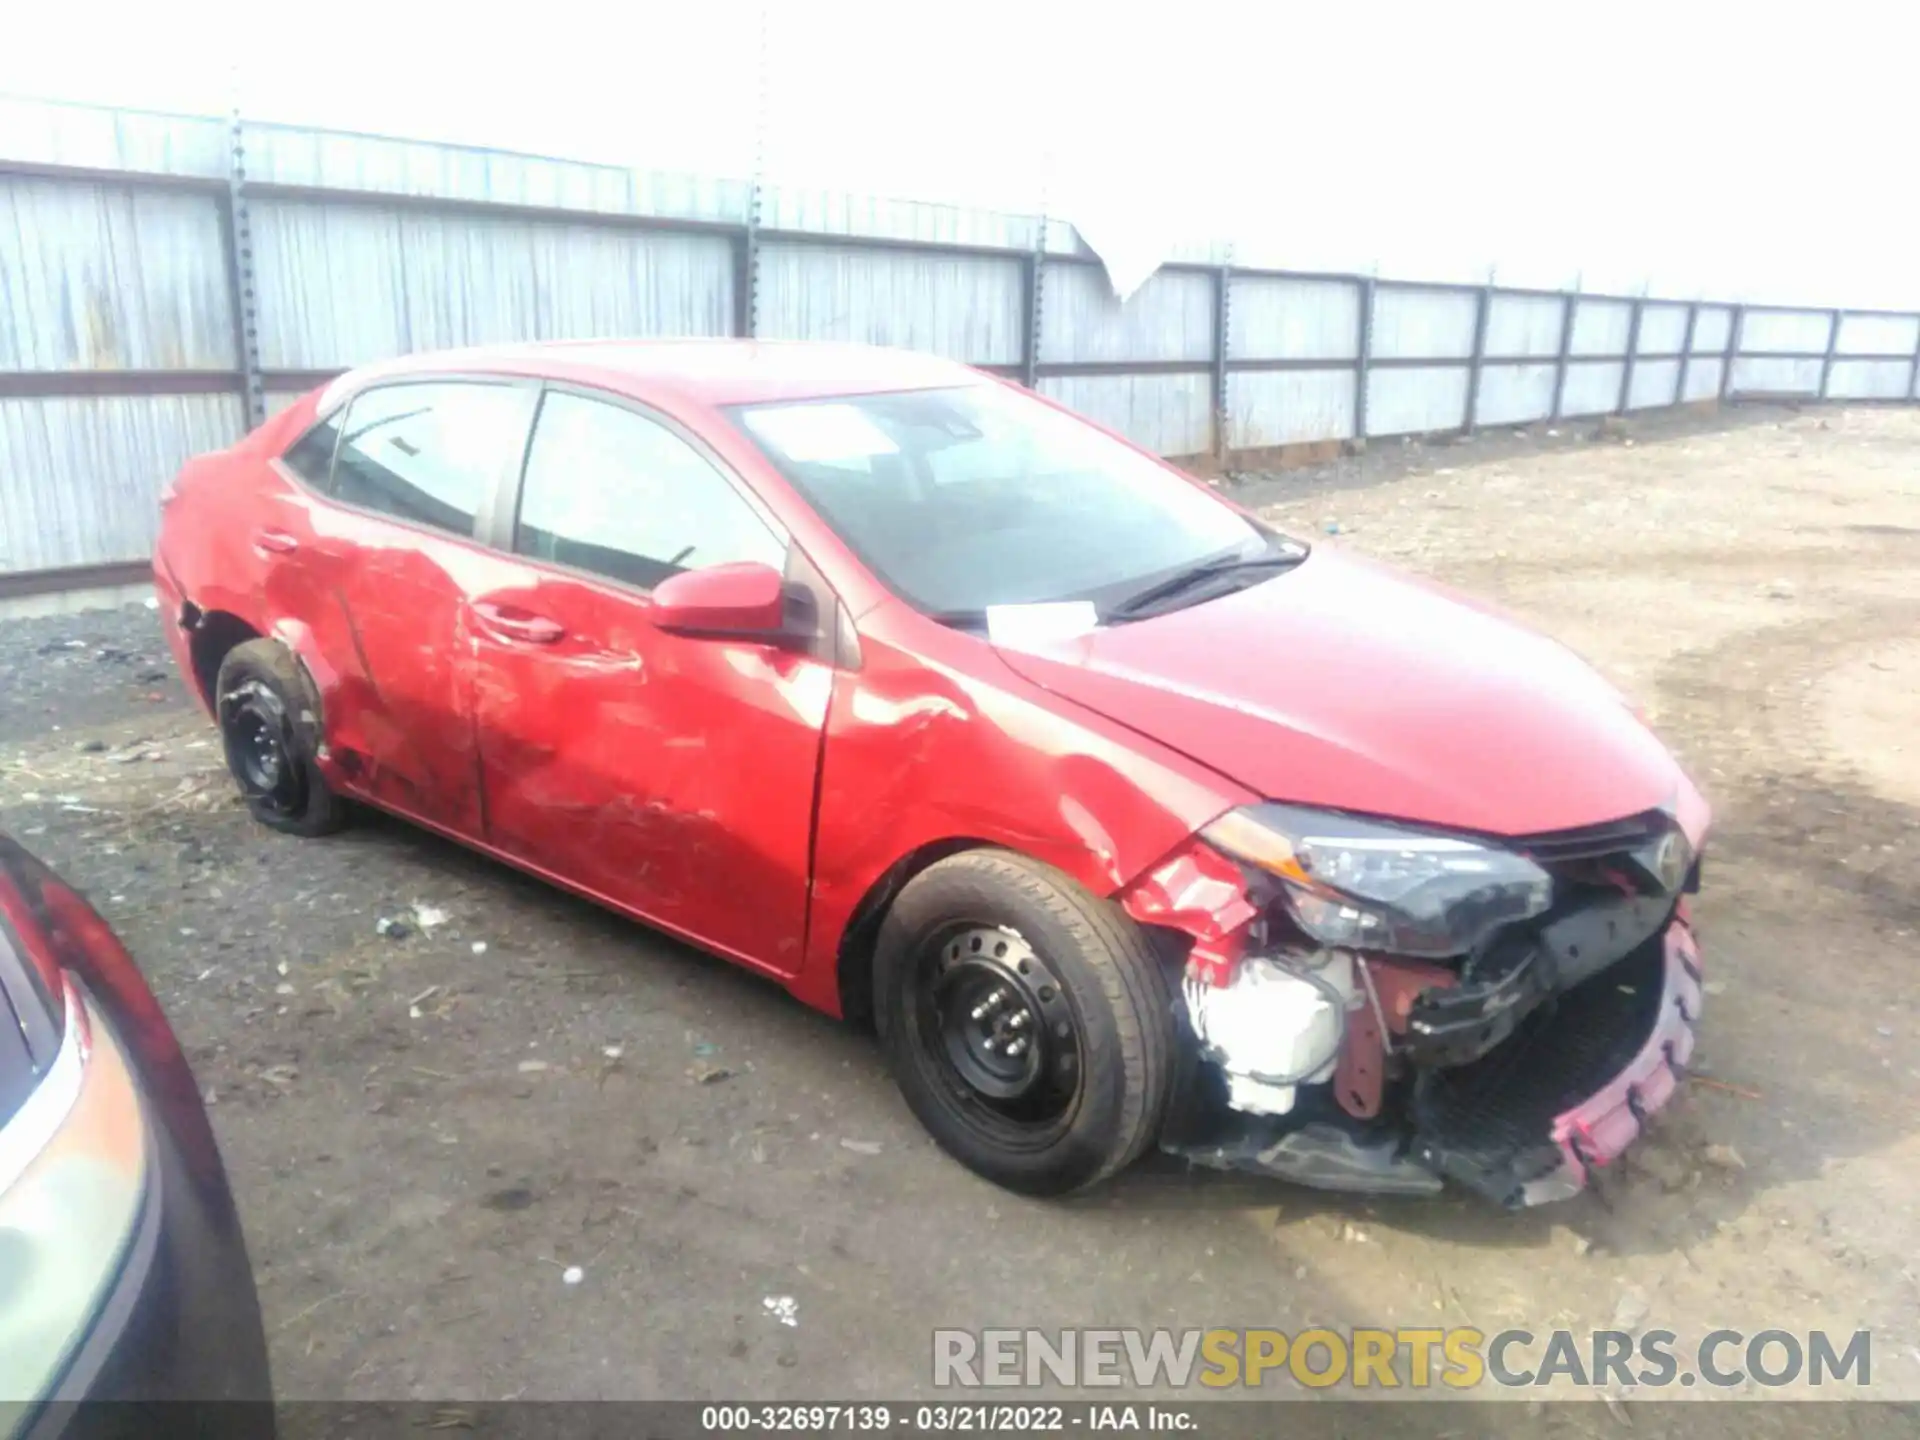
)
(704, 372)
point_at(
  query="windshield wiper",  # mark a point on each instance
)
(1152, 599)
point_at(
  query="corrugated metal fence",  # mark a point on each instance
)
(165, 280)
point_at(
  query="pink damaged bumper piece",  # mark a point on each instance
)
(1597, 1130)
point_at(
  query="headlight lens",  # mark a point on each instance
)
(72, 1179)
(1368, 885)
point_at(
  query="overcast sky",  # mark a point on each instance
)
(1689, 148)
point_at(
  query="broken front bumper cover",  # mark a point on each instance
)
(1527, 1123)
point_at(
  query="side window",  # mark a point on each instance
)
(430, 453)
(311, 456)
(613, 492)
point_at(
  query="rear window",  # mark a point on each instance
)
(428, 453)
(311, 456)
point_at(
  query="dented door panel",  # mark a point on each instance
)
(387, 612)
(672, 776)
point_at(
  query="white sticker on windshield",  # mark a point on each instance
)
(1039, 624)
(820, 434)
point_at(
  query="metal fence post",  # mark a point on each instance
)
(1363, 359)
(1570, 305)
(241, 281)
(744, 254)
(746, 262)
(1222, 316)
(1913, 365)
(1482, 305)
(1833, 344)
(1032, 277)
(1686, 353)
(1633, 351)
(1736, 318)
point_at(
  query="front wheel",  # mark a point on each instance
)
(1027, 1022)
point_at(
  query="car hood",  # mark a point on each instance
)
(1342, 683)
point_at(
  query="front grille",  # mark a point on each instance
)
(1488, 1123)
(1594, 842)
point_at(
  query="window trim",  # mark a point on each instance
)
(512, 458)
(332, 417)
(506, 516)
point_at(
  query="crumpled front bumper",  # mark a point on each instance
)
(1597, 1131)
(1528, 1123)
(1573, 1088)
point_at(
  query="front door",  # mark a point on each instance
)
(672, 776)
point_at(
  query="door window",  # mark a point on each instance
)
(610, 491)
(429, 453)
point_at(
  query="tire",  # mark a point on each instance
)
(269, 716)
(985, 921)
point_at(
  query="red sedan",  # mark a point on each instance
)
(1127, 819)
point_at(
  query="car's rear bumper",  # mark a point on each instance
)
(172, 604)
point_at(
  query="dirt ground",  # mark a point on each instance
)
(425, 1135)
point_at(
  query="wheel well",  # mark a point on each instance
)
(855, 967)
(216, 634)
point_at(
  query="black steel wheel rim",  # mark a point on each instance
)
(253, 726)
(995, 1025)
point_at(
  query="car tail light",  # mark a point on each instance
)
(73, 1175)
(73, 1135)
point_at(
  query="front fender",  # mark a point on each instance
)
(925, 757)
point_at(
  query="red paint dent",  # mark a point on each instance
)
(933, 744)
(1201, 892)
(669, 776)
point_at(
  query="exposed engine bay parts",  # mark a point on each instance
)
(1378, 1009)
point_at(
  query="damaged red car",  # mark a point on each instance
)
(1128, 820)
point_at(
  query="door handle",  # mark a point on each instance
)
(274, 542)
(517, 624)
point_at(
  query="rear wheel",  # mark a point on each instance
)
(1027, 1022)
(270, 727)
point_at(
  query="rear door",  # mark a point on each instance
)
(376, 558)
(671, 775)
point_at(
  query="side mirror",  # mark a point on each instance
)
(745, 599)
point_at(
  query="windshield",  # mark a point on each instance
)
(980, 496)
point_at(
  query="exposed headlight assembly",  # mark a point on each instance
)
(1368, 885)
